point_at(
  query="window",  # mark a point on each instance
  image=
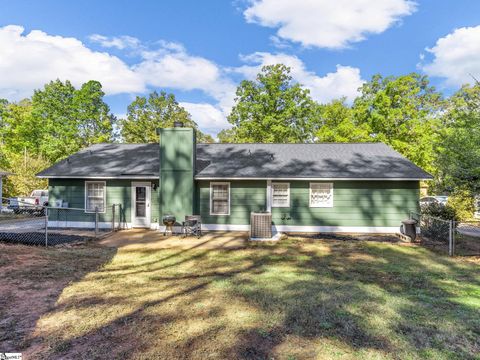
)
(321, 195)
(94, 196)
(280, 195)
(219, 198)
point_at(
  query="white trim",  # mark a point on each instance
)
(337, 229)
(225, 227)
(310, 178)
(104, 196)
(231, 227)
(269, 195)
(307, 229)
(288, 194)
(329, 205)
(219, 183)
(139, 177)
(148, 201)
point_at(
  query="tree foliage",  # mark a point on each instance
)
(458, 161)
(402, 112)
(159, 110)
(272, 109)
(56, 122)
(336, 123)
(69, 119)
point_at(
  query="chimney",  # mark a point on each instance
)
(177, 166)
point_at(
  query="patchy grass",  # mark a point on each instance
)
(297, 299)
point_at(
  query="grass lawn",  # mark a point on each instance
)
(297, 299)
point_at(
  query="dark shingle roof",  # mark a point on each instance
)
(109, 160)
(329, 161)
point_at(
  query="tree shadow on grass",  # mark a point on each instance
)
(250, 303)
(333, 302)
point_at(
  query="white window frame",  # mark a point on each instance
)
(288, 194)
(329, 205)
(212, 184)
(104, 196)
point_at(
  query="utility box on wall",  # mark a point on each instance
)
(177, 167)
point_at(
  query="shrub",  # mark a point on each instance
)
(445, 212)
(463, 204)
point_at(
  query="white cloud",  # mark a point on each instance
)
(29, 61)
(171, 66)
(456, 56)
(208, 117)
(345, 81)
(119, 42)
(327, 23)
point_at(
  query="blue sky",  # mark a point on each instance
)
(200, 50)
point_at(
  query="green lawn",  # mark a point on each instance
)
(296, 299)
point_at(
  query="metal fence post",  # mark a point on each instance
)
(450, 238)
(46, 226)
(453, 237)
(113, 217)
(96, 221)
(119, 216)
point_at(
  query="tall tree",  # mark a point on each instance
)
(159, 110)
(68, 119)
(335, 123)
(458, 160)
(272, 109)
(94, 120)
(403, 112)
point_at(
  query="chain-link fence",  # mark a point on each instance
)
(456, 238)
(31, 224)
(435, 232)
(467, 238)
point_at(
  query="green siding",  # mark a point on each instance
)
(118, 192)
(177, 157)
(355, 203)
(245, 197)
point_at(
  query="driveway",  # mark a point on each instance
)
(139, 238)
(469, 229)
(22, 224)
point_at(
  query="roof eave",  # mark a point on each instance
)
(97, 177)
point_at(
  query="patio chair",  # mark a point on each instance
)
(192, 225)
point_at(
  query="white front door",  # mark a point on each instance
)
(141, 213)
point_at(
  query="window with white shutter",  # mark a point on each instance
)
(219, 198)
(95, 196)
(321, 194)
(280, 195)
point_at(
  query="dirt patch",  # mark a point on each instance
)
(32, 279)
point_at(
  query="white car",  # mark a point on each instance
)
(427, 200)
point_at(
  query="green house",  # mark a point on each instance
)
(358, 187)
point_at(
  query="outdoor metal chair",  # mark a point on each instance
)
(192, 225)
